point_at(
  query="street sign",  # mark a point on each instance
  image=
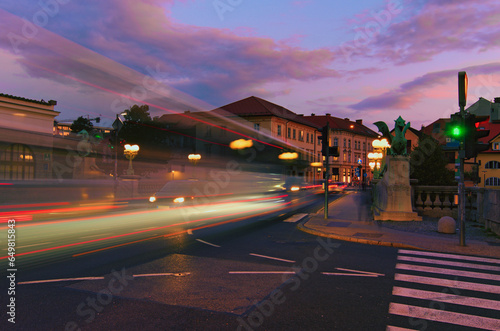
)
(360, 161)
(357, 172)
(117, 124)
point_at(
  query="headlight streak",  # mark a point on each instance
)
(143, 231)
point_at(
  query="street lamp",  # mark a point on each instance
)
(374, 163)
(130, 153)
(194, 158)
(317, 165)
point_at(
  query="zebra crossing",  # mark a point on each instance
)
(441, 291)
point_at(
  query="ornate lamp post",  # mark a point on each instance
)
(130, 153)
(194, 158)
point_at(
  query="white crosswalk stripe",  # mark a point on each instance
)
(445, 291)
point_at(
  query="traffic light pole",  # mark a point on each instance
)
(327, 166)
(461, 185)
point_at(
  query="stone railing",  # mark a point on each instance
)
(481, 205)
(434, 201)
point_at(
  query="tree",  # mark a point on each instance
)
(139, 128)
(82, 123)
(428, 164)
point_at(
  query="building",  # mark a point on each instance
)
(278, 123)
(354, 141)
(26, 141)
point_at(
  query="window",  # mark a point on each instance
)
(17, 163)
(307, 137)
(289, 133)
(344, 143)
(301, 135)
(492, 181)
(279, 130)
(436, 127)
(294, 134)
(496, 146)
(364, 146)
(492, 165)
(335, 141)
(256, 126)
(349, 145)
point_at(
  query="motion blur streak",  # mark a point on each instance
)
(136, 232)
(12, 214)
(31, 205)
(149, 104)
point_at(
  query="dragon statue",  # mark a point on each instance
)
(397, 142)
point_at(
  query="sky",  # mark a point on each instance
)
(369, 59)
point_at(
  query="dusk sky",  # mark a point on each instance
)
(372, 59)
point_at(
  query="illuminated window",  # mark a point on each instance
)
(17, 163)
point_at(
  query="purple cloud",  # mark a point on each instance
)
(408, 94)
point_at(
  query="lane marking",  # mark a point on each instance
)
(452, 272)
(295, 218)
(396, 328)
(352, 272)
(448, 298)
(449, 263)
(444, 316)
(178, 274)
(347, 274)
(59, 280)
(207, 243)
(451, 256)
(261, 272)
(272, 258)
(448, 283)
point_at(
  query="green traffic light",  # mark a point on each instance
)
(456, 132)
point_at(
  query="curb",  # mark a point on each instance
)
(303, 228)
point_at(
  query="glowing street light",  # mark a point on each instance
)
(130, 153)
(288, 156)
(241, 144)
(194, 157)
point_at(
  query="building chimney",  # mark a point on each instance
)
(360, 122)
(313, 114)
(327, 114)
(347, 119)
(497, 100)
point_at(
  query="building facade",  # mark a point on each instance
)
(26, 138)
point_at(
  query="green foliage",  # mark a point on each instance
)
(139, 128)
(82, 123)
(428, 164)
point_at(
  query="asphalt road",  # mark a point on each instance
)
(258, 273)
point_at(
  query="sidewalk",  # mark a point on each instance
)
(350, 219)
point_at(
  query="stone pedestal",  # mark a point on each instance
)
(392, 196)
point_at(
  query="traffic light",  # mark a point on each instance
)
(454, 128)
(324, 140)
(325, 143)
(471, 135)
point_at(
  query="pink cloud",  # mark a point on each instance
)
(425, 29)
